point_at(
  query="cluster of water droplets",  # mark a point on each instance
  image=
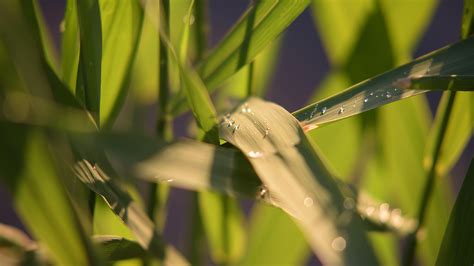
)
(230, 123)
(392, 218)
(189, 20)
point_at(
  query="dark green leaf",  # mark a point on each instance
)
(458, 244)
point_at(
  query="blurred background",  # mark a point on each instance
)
(301, 66)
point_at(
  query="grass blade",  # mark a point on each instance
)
(88, 14)
(457, 245)
(197, 95)
(123, 206)
(285, 161)
(455, 59)
(121, 29)
(458, 132)
(70, 46)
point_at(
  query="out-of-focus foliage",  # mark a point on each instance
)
(347, 190)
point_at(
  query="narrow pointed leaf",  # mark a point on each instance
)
(459, 130)
(455, 59)
(121, 28)
(457, 245)
(88, 14)
(124, 207)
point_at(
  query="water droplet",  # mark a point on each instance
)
(236, 127)
(323, 111)
(315, 109)
(369, 211)
(246, 108)
(396, 218)
(366, 100)
(267, 131)
(349, 203)
(339, 243)
(341, 110)
(308, 202)
(384, 214)
(388, 95)
(254, 154)
(191, 20)
(263, 192)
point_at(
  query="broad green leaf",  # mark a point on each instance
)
(455, 59)
(90, 56)
(458, 132)
(121, 28)
(298, 181)
(124, 207)
(457, 245)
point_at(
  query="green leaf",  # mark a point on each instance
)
(455, 59)
(70, 46)
(298, 181)
(124, 207)
(197, 95)
(39, 196)
(457, 245)
(467, 27)
(458, 132)
(89, 72)
(121, 29)
(274, 239)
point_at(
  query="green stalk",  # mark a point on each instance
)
(164, 128)
(430, 179)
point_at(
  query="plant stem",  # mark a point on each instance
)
(430, 179)
(164, 127)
